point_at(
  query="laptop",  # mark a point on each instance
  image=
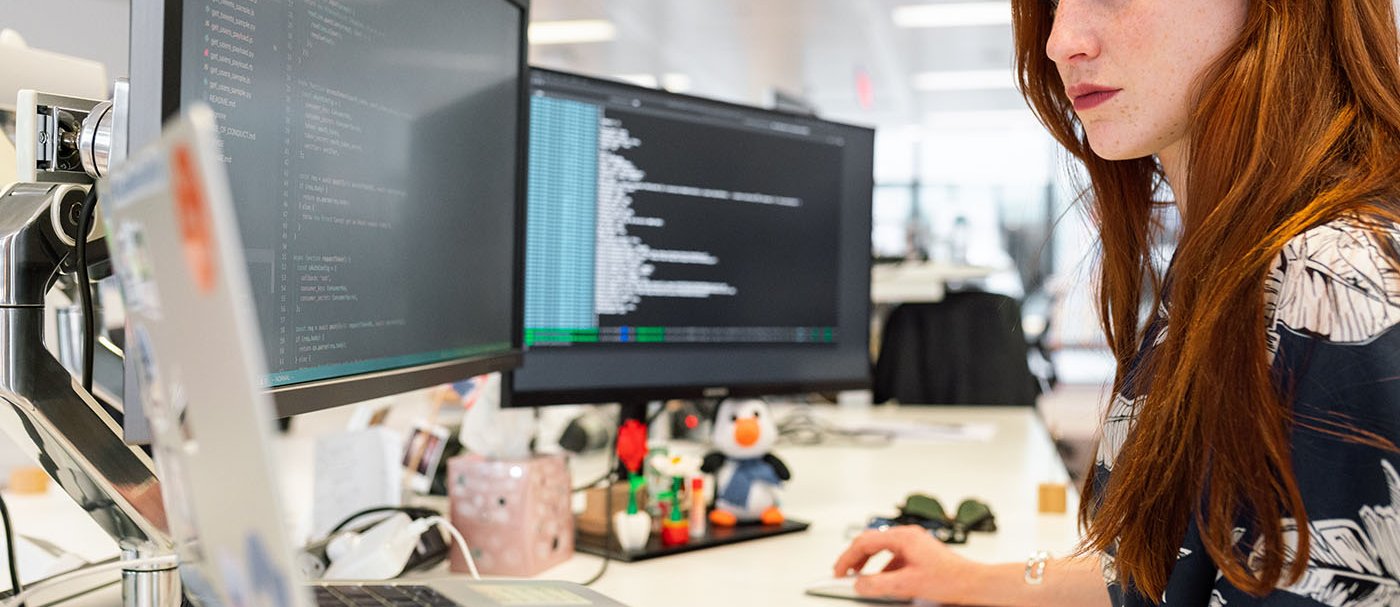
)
(175, 245)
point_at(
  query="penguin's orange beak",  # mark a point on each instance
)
(746, 431)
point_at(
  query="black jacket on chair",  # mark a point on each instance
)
(968, 349)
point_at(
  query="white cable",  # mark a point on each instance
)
(461, 542)
(56, 580)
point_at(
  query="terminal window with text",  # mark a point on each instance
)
(652, 222)
(379, 228)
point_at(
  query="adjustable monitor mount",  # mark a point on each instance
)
(63, 144)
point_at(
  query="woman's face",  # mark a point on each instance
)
(1130, 66)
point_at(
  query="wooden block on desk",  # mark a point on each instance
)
(1053, 498)
(592, 520)
(28, 480)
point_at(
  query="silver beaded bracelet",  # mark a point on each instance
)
(1035, 567)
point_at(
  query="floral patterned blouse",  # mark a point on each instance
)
(1332, 303)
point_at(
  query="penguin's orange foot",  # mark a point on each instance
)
(723, 519)
(771, 516)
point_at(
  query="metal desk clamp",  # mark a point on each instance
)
(58, 423)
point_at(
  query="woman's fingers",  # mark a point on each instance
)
(897, 562)
(865, 545)
(892, 585)
(896, 540)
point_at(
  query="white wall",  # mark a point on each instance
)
(90, 29)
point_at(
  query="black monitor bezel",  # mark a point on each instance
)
(535, 398)
(306, 397)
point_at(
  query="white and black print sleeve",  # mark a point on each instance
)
(1332, 304)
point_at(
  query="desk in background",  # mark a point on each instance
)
(922, 281)
(835, 486)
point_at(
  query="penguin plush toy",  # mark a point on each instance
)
(747, 475)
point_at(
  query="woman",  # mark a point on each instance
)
(1249, 457)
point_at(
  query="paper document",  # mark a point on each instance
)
(938, 432)
(355, 470)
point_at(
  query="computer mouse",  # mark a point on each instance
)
(845, 588)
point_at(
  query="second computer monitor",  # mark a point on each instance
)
(679, 247)
(375, 154)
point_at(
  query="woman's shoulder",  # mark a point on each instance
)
(1353, 233)
(1339, 281)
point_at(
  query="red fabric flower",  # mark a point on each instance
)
(632, 445)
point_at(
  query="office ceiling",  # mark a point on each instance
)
(848, 58)
(738, 50)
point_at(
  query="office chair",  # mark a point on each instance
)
(968, 349)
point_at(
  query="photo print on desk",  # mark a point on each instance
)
(422, 455)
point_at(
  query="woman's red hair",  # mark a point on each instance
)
(1296, 124)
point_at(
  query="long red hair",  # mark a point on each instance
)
(1296, 124)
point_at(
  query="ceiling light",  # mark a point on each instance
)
(571, 32)
(675, 82)
(646, 80)
(953, 14)
(971, 80)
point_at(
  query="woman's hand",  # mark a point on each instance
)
(922, 567)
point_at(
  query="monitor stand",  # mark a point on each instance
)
(62, 427)
(606, 546)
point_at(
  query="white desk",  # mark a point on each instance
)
(834, 487)
(924, 281)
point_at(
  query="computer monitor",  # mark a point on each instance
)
(374, 151)
(679, 247)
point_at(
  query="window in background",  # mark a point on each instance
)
(966, 227)
(898, 230)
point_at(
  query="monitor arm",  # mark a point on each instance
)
(58, 423)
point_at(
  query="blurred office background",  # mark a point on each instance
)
(964, 172)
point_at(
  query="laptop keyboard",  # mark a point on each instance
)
(380, 596)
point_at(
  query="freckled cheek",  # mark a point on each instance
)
(1129, 128)
(1130, 112)
(1173, 107)
(1163, 93)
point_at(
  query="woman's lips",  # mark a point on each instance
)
(1092, 98)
